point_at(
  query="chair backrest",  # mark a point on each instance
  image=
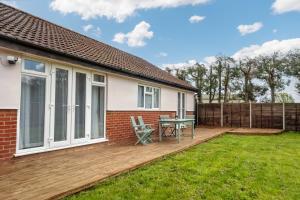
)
(141, 122)
(133, 123)
(164, 117)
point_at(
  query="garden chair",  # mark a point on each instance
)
(166, 126)
(145, 126)
(143, 134)
(188, 124)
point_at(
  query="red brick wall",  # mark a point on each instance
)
(8, 133)
(118, 127)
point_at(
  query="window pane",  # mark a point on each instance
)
(97, 112)
(183, 105)
(178, 105)
(148, 89)
(32, 113)
(148, 100)
(61, 105)
(156, 98)
(141, 96)
(98, 78)
(80, 97)
(34, 66)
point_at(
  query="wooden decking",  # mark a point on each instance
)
(254, 131)
(59, 174)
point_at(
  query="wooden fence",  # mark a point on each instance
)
(250, 115)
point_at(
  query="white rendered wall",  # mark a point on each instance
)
(190, 101)
(122, 91)
(10, 83)
(122, 94)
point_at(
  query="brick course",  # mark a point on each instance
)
(8, 133)
(118, 127)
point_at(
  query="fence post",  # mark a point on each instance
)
(222, 123)
(250, 113)
(283, 116)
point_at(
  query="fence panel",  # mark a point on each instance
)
(236, 115)
(263, 115)
(209, 114)
(292, 116)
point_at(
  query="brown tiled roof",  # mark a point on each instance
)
(23, 27)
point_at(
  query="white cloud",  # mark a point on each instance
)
(119, 38)
(135, 38)
(283, 6)
(162, 54)
(88, 27)
(196, 19)
(274, 30)
(251, 28)
(97, 31)
(181, 65)
(92, 29)
(10, 3)
(209, 59)
(115, 9)
(268, 48)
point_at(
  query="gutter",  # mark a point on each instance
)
(21, 45)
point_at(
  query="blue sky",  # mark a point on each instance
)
(164, 33)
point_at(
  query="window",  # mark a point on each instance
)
(141, 96)
(34, 66)
(148, 97)
(33, 102)
(98, 78)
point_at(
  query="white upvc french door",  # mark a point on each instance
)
(61, 104)
(57, 106)
(181, 111)
(81, 106)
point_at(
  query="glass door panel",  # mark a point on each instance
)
(97, 118)
(61, 105)
(80, 104)
(179, 105)
(60, 112)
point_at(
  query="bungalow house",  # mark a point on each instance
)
(60, 89)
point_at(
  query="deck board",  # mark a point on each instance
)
(60, 174)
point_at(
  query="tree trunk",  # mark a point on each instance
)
(272, 94)
(246, 89)
(220, 86)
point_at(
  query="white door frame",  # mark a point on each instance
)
(67, 142)
(181, 107)
(87, 107)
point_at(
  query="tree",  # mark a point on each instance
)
(294, 66)
(284, 98)
(196, 74)
(181, 74)
(211, 84)
(248, 70)
(271, 70)
(224, 68)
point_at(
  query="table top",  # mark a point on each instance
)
(175, 120)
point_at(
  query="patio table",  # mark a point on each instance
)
(177, 123)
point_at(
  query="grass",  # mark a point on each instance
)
(229, 167)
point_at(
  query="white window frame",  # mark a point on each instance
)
(99, 84)
(47, 76)
(152, 94)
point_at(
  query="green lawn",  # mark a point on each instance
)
(229, 167)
